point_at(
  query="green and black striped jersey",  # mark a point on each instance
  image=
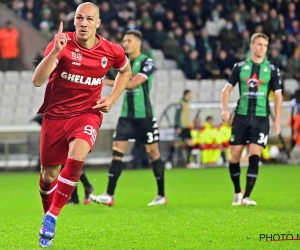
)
(255, 83)
(137, 102)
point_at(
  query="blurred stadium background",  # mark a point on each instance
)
(194, 44)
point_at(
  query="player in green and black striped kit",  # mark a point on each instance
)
(137, 120)
(256, 77)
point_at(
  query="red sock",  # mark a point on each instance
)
(47, 191)
(66, 183)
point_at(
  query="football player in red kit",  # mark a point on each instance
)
(76, 64)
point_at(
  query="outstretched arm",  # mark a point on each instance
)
(104, 104)
(109, 82)
(146, 69)
(136, 81)
(120, 82)
(132, 84)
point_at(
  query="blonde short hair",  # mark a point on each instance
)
(258, 35)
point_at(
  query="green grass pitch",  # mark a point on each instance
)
(198, 215)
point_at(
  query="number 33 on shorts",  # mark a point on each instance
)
(263, 139)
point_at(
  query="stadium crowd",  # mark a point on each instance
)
(204, 37)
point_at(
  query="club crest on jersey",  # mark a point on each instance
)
(253, 81)
(76, 56)
(104, 62)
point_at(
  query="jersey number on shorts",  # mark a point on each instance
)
(150, 137)
(263, 139)
(88, 129)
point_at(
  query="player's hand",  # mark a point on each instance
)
(60, 39)
(225, 115)
(104, 104)
(276, 127)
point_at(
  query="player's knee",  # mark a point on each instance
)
(153, 151)
(48, 176)
(154, 155)
(78, 157)
(255, 149)
(234, 159)
(235, 156)
(117, 155)
(78, 149)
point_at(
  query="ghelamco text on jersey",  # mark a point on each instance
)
(82, 79)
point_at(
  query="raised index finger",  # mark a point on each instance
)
(60, 30)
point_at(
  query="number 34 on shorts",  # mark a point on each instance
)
(263, 139)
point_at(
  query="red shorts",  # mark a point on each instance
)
(57, 134)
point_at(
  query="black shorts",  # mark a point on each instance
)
(184, 135)
(144, 129)
(250, 129)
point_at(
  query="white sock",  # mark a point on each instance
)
(53, 216)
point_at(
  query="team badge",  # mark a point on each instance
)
(253, 81)
(232, 138)
(104, 62)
